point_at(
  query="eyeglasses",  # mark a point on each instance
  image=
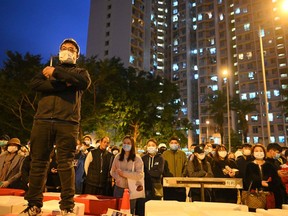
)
(71, 49)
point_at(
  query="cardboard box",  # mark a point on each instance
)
(51, 207)
(96, 204)
(12, 204)
(11, 191)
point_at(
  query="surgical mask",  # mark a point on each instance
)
(152, 150)
(12, 149)
(277, 156)
(127, 147)
(65, 56)
(247, 152)
(3, 142)
(201, 156)
(259, 155)
(173, 147)
(222, 154)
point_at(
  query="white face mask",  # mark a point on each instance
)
(247, 152)
(12, 149)
(222, 154)
(201, 156)
(259, 155)
(152, 150)
(65, 56)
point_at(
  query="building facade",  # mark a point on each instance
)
(192, 42)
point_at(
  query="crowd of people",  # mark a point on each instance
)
(101, 169)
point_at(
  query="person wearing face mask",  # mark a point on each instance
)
(208, 152)
(262, 175)
(223, 167)
(177, 164)
(273, 155)
(200, 167)
(243, 160)
(153, 172)
(57, 120)
(126, 165)
(10, 165)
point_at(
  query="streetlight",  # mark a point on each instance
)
(225, 74)
(264, 86)
(207, 131)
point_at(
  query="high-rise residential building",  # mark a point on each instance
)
(192, 42)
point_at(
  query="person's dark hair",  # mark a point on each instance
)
(274, 146)
(132, 153)
(197, 165)
(174, 138)
(261, 146)
(286, 153)
(152, 140)
(218, 148)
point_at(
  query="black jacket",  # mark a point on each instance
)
(99, 168)
(255, 176)
(153, 169)
(61, 94)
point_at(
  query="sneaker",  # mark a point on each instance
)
(69, 212)
(31, 211)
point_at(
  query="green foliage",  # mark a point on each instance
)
(119, 101)
(127, 101)
(217, 108)
(17, 102)
(243, 108)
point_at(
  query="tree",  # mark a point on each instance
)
(217, 106)
(17, 102)
(127, 101)
(243, 108)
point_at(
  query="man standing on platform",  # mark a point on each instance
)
(56, 123)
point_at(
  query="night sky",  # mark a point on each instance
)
(39, 26)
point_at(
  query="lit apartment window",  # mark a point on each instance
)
(175, 18)
(247, 27)
(237, 11)
(244, 96)
(251, 75)
(270, 117)
(255, 139)
(221, 17)
(175, 3)
(200, 17)
(241, 56)
(254, 118)
(175, 67)
(249, 55)
(281, 139)
(175, 11)
(252, 95)
(276, 93)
